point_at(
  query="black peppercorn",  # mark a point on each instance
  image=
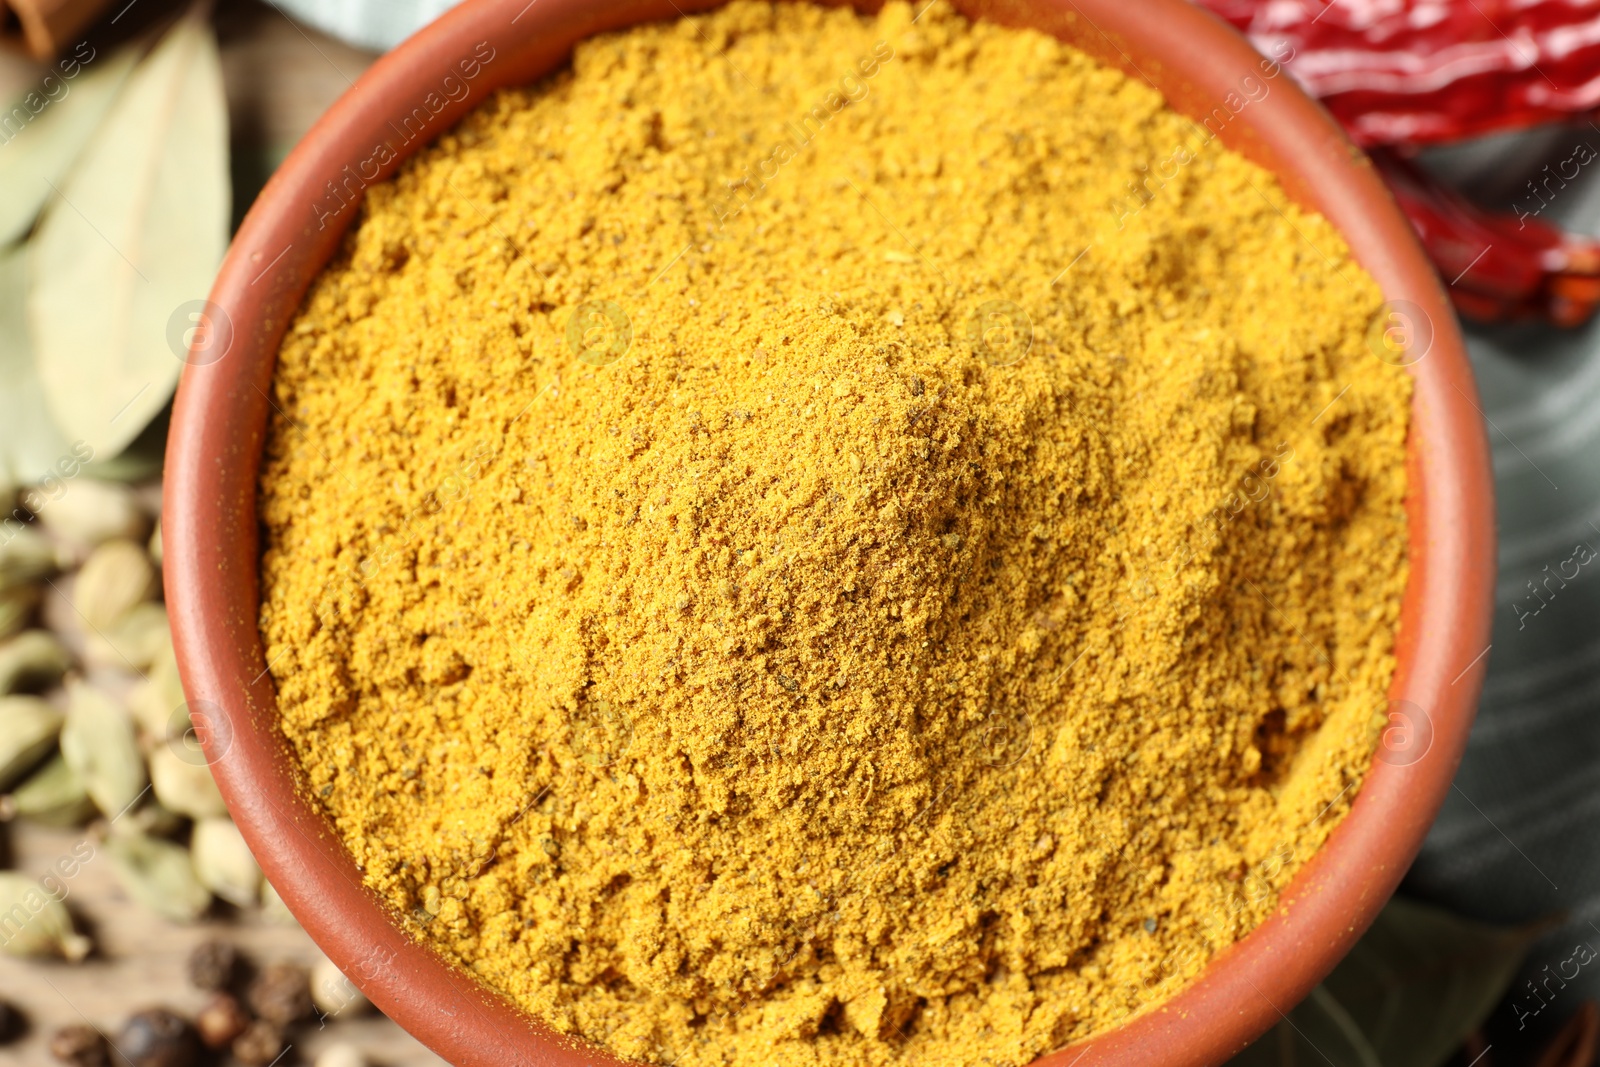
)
(80, 1046)
(11, 1022)
(260, 1044)
(157, 1037)
(221, 1020)
(213, 965)
(281, 994)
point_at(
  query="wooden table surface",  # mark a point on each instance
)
(139, 961)
(280, 76)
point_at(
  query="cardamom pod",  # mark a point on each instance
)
(98, 742)
(87, 512)
(17, 605)
(184, 787)
(149, 819)
(158, 874)
(140, 700)
(333, 993)
(34, 659)
(154, 547)
(156, 701)
(223, 863)
(34, 922)
(26, 556)
(29, 727)
(341, 1055)
(116, 576)
(53, 795)
(273, 909)
(133, 640)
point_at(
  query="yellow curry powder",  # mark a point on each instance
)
(769, 559)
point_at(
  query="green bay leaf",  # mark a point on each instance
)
(30, 440)
(69, 111)
(1416, 984)
(137, 232)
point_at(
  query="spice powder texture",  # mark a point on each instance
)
(770, 559)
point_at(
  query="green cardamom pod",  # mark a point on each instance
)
(26, 556)
(89, 512)
(159, 875)
(156, 702)
(333, 993)
(34, 659)
(223, 862)
(133, 640)
(116, 576)
(98, 742)
(150, 819)
(273, 909)
(53, 795)
(29, 727)
(341, 1054)
(182, 785)
(17, 605)
(34, 922)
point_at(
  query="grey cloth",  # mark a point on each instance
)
(1519, 837)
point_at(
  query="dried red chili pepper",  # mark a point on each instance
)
(1410, 72)
(1497, 266)
(1576, 1044)
(1428, 71)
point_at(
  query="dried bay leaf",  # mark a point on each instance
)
(30, 440)
(138, 231)
(141, 460)
(1408, 994)
(40, 153)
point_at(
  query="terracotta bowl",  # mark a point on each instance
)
(419, 90)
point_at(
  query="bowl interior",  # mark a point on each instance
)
(1207, 72)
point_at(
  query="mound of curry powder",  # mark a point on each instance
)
(819, 539)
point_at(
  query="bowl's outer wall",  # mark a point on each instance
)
(296, 224)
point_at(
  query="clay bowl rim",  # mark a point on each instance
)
(217, 429)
